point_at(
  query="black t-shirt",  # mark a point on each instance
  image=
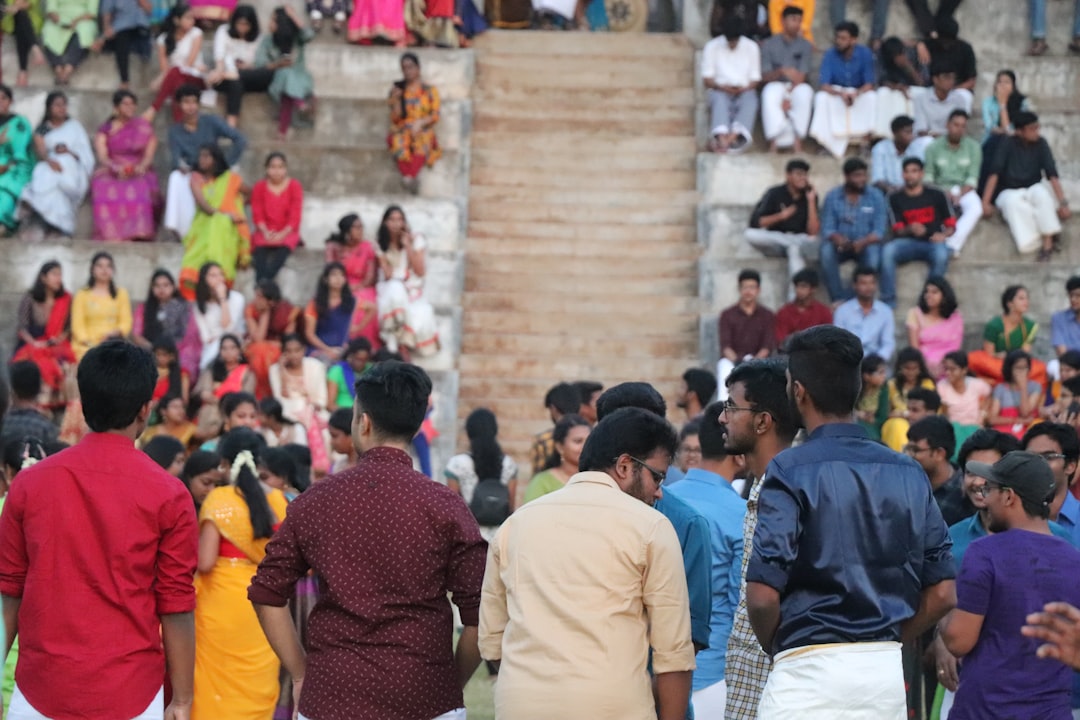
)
(931, 208)
(775, 200)
(958, 57)
(1020, 165)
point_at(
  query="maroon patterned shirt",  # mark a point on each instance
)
(388, 544)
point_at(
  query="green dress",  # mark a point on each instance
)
(294, 80)
(56, 36)
(1024, 334)
(216, 238)
(543, 484)
(16, 153)
(36, 18)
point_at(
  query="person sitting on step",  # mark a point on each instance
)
(731, 72)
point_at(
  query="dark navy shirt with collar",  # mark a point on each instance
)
(849, 534)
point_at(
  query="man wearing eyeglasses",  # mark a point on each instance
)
(1060, 447)
(1020, 567)
(931, 441)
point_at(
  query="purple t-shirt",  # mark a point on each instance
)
(1005, 577)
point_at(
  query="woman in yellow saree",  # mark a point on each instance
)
(236, 671)
(219, 233)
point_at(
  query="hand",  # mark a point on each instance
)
(97, 45)
(237, 217)
(788, 211)
(945, 665)
(849, 99)
(1001, 96)
(938, 237)
(785, 105)
(811, 196)
(1064, 212)
(407, 240)
(297, 686)
(922, 52)
(241, 65)
(222, 292)
(916, 230)
(285, 61)
(53, 17)
(334, 354)
(55, 166)
(988, 209)
(178, 711)
(215, 77)
(1059, 625)
(838, 241)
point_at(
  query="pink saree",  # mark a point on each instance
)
(124, 207)
(378, 20)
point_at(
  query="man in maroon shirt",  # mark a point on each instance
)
(747, 329)
(98, 547)
(388, 545)
(805, 311)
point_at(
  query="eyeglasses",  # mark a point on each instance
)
(657, 476)
(689, 450)
(1051, 456)
(913, 450)
(983, 491)
(730, 407)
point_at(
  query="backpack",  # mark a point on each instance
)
(490, 503)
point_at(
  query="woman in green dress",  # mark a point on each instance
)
(570, 435)
(68, 33)
(1012, 330)
(16, 160)
(22, 18)
(282, 50)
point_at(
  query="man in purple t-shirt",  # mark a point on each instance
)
(1004, 577)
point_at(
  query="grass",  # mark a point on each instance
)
(479, 700)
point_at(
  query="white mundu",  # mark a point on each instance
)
(836, 124)
(783, 127)
(1031, 214)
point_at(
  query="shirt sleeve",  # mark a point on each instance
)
(1001, 157)
(275, 581)
(697, 562)
(866, 66)
(708, 64)
(975, 166)
(944, 210)
(123, 322)
(14, 560)
(755, 64)
(1057, 330)
(881, 212)
(803, 62)
(1046, 159)
(776, 537)
(177, 556)
(922, 121)
(494, 614)
(666, 601)
(975, 581)
(258, 204)
(768, 333)
(829, 218)
(888, 336)
(877, 162)
(465, 571)
(79, 330)
(826, 71)
(239, 141)
(938, 564)
(296, 205)
(725, 331)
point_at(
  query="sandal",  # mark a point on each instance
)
(1074, 46)
(1038, 48)
(1044, 255)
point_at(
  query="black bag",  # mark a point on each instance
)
(490, 503)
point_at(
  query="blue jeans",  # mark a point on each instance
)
(1038, 19)
(838, 14)
(830, 261)
(904, 250)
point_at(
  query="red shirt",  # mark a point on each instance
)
(277, 211)
(388, 544)
(791, 318)
(98, 541)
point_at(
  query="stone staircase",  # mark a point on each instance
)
(581, 261)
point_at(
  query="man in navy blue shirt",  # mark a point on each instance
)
(850, 555)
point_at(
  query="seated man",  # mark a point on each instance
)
(786, 98)
(844, 106)
(1065, 327)
(922, 223)
(867, 317)
(1017, 171)
(948, 50)
(747, 329)
(853, 224)
(786, 218)
(1038, 28)
(731, 70)
(805, 311)
(953, 162)
(806, 17)
(887, 157)
(933, 109)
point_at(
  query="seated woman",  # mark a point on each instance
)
(278, 429)
(282, 50)
(234, 73)
(67, 35)
(201, 474)
(570, 435)
(100, 311)
(911, 372)
(901, 79)
(172, 379)
(935, 326)
(349, 247)
(298, 382)
(341, 377)
(229, 374)
(60, 180)
(998, 110)
(872, 408)
(219, 233)
(269, 318)
(377, 22)
(172, 422)
(179, 51)
(44, 331)
(167, 315)
(125, 187)
(965, 398)
(406, 318)
(238, 409)
(16, 162)
(277, 209)
(165, 450)
(1014, 404)
(328, 318)
(1012, 330)
(414, 113)
(219, 312)
(24, 20)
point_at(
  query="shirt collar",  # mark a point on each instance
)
(1070, 510)
(107, 439)
(387, 455)
(595, 478)
(708, 477)
(836, 430)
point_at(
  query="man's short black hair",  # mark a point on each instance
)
(25, 380)
(797, 163)
(186, 91)
(791, 10)
(395, 396)
(854, 165)
(690, 429)
(629, 430)
(928, 397)
(1073, 283)
(863, 271)
(913, 161)
(749, 274)
(1072, 385)
(806, 276)
(849, 27)
(901, 122)
(826, 361)
(631, 394)
(959, 112)
(341, 419)
(116, 380)
(765, 383)
(937, 431)
(1023, 119)
(713, 433)
(702, 383)
(987, 439)
(564, 397)
(1061, 433)
(587, 388)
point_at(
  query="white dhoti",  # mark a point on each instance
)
(853, 681)
(970, 211)
(1031, 214)
(562, 8)
(710, 702)
(179, 203)
(835, 124)
(783, 127)
(890, 104)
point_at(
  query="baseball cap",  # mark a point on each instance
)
(1027, 474)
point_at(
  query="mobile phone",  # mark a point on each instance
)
(1074, 409)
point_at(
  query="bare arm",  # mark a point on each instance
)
(277, 625)
(672, 694)
(934, 602)
(763, 607)
(209, 547)
(178, 637)
(467, 658)
(11, 620)
(101, 149)
(960, 631)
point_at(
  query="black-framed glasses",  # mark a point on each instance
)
(730, 407)
(983, 491)
(657, 476)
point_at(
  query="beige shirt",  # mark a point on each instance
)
(579, 585)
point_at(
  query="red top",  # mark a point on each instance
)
(388, 544)
(791, 318)
(98, 541)
(277, 211)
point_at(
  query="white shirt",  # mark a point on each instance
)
(228, 50)
(738, 67)
(182, 52)
(211, 331)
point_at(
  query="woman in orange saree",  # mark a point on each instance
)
(269, 318)
(414, 113)
(44, 329)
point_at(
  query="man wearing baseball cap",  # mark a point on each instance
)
(1004, 577)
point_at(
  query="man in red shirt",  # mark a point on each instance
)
(98, 548)
(805, 311)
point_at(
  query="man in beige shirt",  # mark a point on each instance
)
(582, 582)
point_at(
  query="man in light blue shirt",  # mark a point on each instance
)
(867, 317)
(707, 489)
(887, 157)
(1065, 326)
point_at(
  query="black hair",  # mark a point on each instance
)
(231, 445)
(49, 100)
(863, 271)
(959, 357)
(849, 27)
(806, 276)
(630, 431)
(765, 385)
(116, 381)
(25, 379)
(482, 429)
(987, 439)
(244, 12)
(176, 380)
(749, 274)
(853, 165)
(410, 56)
(911, 160)
(947, 28)
(359, 344)
(911, 355)
(341, 419)
(280, 462)
(1008, 296)
(797, 164)
(942, 68)
(384, 354)
(948, 296)
(959, 112)
(275, 155)
(692, 428)
(826, 361)
(1073, 283)
(731, 26)
(292, 337)
(185, 91)
(587, 388)
(322, 291)
(394, 395)
(218, 156)
(163, 449)
(712, 434)
(1015, 102)
(171, 23)
(151, 324)
(6, 92)
(900, 122)
(1023, 119)
(1007, 365)
(120, 95)
(17, 451)
(1061, 433)
(791, 10)
(564, 397)
(230, 402)
(562, 431)
(702, 383)
(269, 289)
(1072, 385)
(871, 364)
(218, 371)
(631, 394)
(891, 47)
(271, 408)
(927, 397)
(39, 293)
(344, 228)
(202, 288)
(301, 455)
(383, 236)
(112, 281)
(287, 32)
(199, 462)
(938, 433)
(1070, 358)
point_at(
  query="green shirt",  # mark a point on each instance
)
(947, 166)
(344, 395)
(542, 484)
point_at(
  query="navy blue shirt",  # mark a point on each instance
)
(849, 534)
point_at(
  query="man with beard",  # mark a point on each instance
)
(850, 554)
(854, 219)
(759, 426)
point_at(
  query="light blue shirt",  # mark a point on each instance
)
(1069, 518)
(1065, 332)
(712, 496)
(876, 329)
(887, 165)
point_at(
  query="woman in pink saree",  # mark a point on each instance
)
(124, 187)
(349, 247)
(378, 22)
(935, 326)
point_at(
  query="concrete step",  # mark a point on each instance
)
(534, 284)
(515, 42)
(571, 156)
(596, 302)
(575, 345)
(539, 77)
(598, 365)
(609, 144)
(641, 249)
(548, 265)
(567, 110)
(542, 123)
(585, 178)
(665, 215)
(669, 237)
(597, 65)
(613, 98)
(585, 321)
(586, 198)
